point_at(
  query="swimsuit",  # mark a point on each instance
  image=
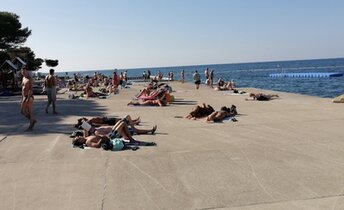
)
(26, 97)
(262, 98)
(109, 121)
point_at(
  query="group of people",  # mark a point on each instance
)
(209, 78)
(208, 112)
(107, 132)
(154, 94)
(146, 75)
(222, 85)
(110, 85)
(27, 98)
(107, 85)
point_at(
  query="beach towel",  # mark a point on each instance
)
(152, 96)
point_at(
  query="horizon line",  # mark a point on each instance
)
(188, 65)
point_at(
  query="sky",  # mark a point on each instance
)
(124, 34)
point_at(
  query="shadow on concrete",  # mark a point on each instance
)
(184, 102)
(13, 123)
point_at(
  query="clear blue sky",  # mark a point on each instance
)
(105, 34)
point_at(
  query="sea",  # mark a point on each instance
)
(256, 75)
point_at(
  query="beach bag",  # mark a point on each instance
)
(118, 144)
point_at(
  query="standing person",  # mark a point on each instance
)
(121, 80)
(26, 106)
(115, 79)
(182, 76)
(144, 75)
(197, 79)
(148, 74)
(158, 75)
(211, 77)
(76, 79)
(206, 73)
(125, 75)
(50, 84)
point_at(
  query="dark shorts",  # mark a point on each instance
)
(197, 82)
(262, 98)
(114, 134)
(109, 121)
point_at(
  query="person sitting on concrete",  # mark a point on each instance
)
(221, 85)
(90, 93)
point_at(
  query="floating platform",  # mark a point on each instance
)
(307, 75)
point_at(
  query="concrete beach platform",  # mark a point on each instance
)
(287, 153)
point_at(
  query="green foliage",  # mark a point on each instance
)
(51, 63)
(3, 56)
(12, 34)
(37, 63)
(27, 55)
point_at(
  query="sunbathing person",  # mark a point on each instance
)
(262, 96)
(219, 116)
(108, 89)
(99, 121)
(146, 94)
(90, 141)
(200, 111)
(230, 85)
(101, 141)
(90, 93)
(120, 128)
(220, 82)
(151, 93)
(94, 137)
(155, 102)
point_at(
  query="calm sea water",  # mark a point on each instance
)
(257, 75)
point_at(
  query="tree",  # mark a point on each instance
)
(12, 35)
(28, 56)
(51, 63)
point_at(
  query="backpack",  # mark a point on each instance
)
(117, 144)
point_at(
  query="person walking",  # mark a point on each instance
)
(197, 79)
(50, 84)
(26, 105)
